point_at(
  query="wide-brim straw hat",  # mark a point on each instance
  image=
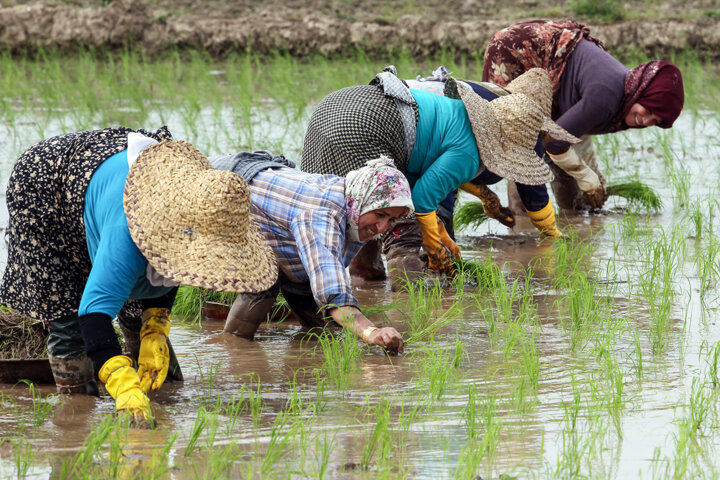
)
(193, 222)
(536, 84)
(506, 130)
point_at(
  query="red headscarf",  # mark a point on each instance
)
(657, 86)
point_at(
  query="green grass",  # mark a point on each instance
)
(603, 10)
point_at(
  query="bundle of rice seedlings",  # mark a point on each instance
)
(637, 193)
(21, 336)
(472, 214)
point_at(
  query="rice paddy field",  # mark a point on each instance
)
(595, 356)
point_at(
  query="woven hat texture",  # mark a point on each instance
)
(506, 129)
(535, 83)
(193, 222)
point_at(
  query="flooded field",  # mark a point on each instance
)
(595, 356)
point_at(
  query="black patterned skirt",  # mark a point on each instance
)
(350, 127)
(48, 262)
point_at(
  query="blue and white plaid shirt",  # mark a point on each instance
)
(303, 217)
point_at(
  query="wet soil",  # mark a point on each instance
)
(336, 27)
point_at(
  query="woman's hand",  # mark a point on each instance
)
(351, 317)
(387, 338)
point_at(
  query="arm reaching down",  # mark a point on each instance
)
(353, 319)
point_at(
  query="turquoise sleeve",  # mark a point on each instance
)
(447, 173)
(117, 268)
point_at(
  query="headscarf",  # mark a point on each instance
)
(657, 86)
(376, 185)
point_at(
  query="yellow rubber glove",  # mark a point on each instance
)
(491, 203)
(154, 357)
(544, 220)
(439, 257)
(447, 241)
(122, 383)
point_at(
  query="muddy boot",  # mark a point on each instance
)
(368, 264)
(74, 375)
(130, 321)
(71, 368)
(405, 266)
(248, 311)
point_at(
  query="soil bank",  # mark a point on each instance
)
(308, 27)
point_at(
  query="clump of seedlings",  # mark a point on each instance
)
(637, 194)
(21, 336)
(470, 215)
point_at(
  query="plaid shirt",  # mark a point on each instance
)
(303, 218)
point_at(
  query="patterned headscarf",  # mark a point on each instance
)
(376, 185)
(657, 86)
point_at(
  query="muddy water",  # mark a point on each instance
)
(605, 405)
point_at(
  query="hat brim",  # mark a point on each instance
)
(192, 222)
(557, 133)
(508, 160)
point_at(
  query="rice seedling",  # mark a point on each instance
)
(439, 367)
(281, 434)
(712, 361)
(637, 194)
(469, 215)
(424, 302)
(446, 318)
(116, 441)
(82, 462)
(484, 275)
(688, 458)
(341, 355)
(706, 262)
(232, 409)
(656, 283)
(23, 456)
(159, 466)
(568, 256)
(41, 407)
(201, 421)
(680, 182)
(323, 451)
(257, 406)
(378, 442)
(207, 380)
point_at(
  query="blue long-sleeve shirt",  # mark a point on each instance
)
(118, 268)
(445, 154)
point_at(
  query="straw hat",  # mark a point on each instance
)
(506, 129)
(193, 223)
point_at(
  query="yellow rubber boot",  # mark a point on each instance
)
(544, 220)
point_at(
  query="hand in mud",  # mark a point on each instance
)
(596, 197)
(506, 217)
(387, 338)
(440, 260)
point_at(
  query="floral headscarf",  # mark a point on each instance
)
(376, 185)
